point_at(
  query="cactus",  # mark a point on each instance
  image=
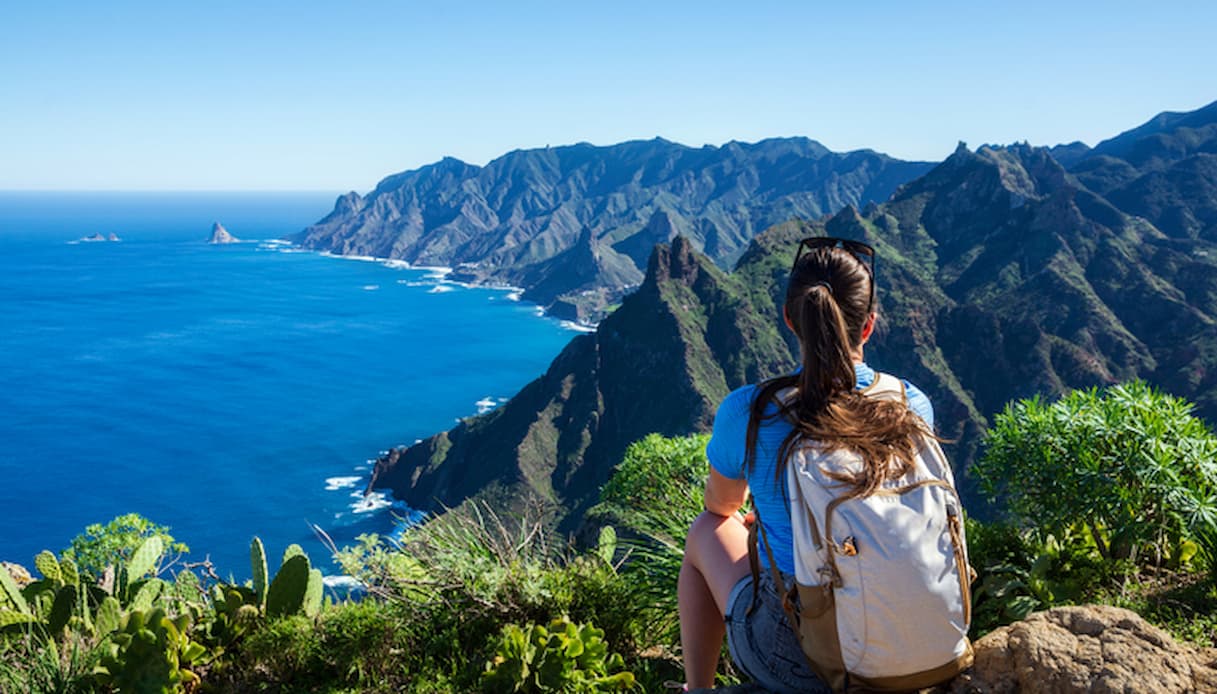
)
(109, 616)
(149, 654)
(293, 550)
(68, 573)
(147, 593)
(145, 559)
(9, 618)
(257, 559)
(62, 609)
(47, 565)
(287, 591)
(313, 594)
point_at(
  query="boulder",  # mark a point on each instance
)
(1090, 648)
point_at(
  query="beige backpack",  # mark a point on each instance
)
(882, 598)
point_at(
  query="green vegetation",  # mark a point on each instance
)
(1111, 496)
(101, 545)
(1104, 510)
(564, 657)
(1130, 466)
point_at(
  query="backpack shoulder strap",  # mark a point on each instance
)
(886, 387)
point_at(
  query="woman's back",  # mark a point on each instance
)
(727, 454)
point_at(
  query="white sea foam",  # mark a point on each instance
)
(436, 271)
(578, 327)
(397, 264)
(439, 289)
(363, 258)
(343, 582)
(371, 287)
(486, 404)
(374, 501)
(513, 296)
(333, 484)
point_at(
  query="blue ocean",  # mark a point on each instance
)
(225, 391)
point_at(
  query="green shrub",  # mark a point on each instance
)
(1018, 573)
(655, 494)
(116, 542)
(1129, 465)
(563, 657)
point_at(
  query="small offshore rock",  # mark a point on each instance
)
(220, 235)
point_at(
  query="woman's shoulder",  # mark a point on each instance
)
(739, 401)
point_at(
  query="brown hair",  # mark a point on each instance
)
(828, 301)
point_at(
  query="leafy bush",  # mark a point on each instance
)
(564, 657)
(655, 494)
(362, 646)
(1129, 465)
(1019, 574)
(115, 542)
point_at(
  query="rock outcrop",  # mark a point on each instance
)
(1091, 648)
(220, 235)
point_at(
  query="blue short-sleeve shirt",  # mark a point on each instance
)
(726, 452)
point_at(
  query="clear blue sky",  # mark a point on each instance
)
(303, 96)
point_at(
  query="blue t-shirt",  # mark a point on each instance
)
(726, 452)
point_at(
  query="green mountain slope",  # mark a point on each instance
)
(576, 224)
(1002, 275)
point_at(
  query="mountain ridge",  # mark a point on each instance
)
(506, 222)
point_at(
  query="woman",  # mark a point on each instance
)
(830, 308)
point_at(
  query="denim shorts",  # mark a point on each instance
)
(764, 646)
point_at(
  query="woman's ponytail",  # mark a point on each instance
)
(828, 368)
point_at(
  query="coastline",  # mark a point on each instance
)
(439, 273)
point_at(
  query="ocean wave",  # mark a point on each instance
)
(362, 258)
(333, 484)
(439, 289)
(371, 287)
(343, 582)
(374, 501)
(577, 327)
(513, 296)
(486, 404)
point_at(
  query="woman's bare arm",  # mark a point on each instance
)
(724, 496)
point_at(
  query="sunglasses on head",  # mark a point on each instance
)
(863, 252)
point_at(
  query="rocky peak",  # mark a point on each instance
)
(348, 204)
(847, 224)
(675, 261)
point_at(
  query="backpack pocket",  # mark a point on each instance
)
(815, 614)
